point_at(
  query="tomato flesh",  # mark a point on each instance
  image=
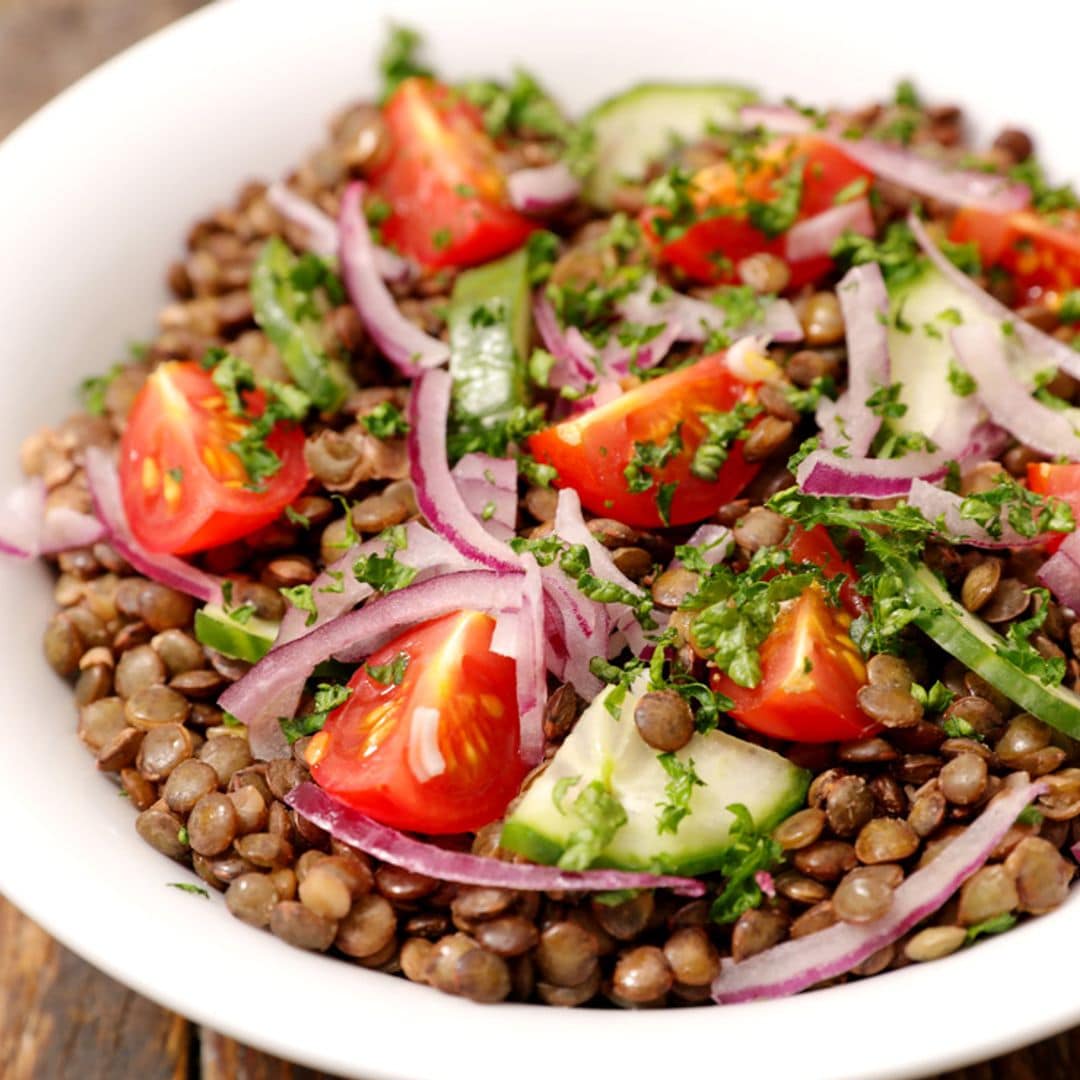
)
(456, 704)
(710, 248)
(1059, 481)
(590, 452)
(811, 673)
(816, 546)
(1042, 256)
(183, 489)
(441, 179)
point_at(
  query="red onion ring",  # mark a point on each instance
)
(795, 965)
(393, 847)
(907, 168)
(542, 190)
(1031, 337)
(104, 484)
(814, 237)
(980, 349)
(1061, 572)
(936, 504)
(402, 343)
(489, 487)
(273, 686)
(437, 495)
(849, 421)
(322, 232)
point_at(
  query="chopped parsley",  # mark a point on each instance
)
(523, 108)
(673, 193)
(601, 816)
(1018, 649)
(1069, 312)
(540, 365)
(751, 852)
(184, 886)
(92, 391)
(400, 59)
(384, 573)
(885, 402)
(956, 727)
(897, 253)
(472, 435)
(806, 400)
(650, 456)
(938, 698)
(386, 421)
(849, 193)
(541, 251)
(998, 924)
(302, 598)
(906, 95)
(722, 431)
(391, 673)
(1025, 511)
(328, 696)
(777, 215)
(1045, 198)
(961, 382)
(682, 779)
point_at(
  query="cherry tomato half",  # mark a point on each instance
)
(710, 248)
(591, 452)
(438, 752)
(1060, 481)
(811, 672)
(815, 546)
(183, 488)
(1042, 254)
(441, 179)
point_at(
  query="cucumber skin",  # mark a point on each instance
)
(601, 181)
(487, 363)
(972, 643)
(525, 840)
(241, 643)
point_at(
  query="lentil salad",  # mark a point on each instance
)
(649, 952)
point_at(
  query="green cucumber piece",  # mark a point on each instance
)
(636, 127)
(490, 323)
(967, 638)
(249, 640)
(610, 749)
(922, 313)
(282, 311)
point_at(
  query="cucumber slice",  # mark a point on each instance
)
(635, 128)
(490, 324)
(249, 640)
(603, 747)
(972, 642)
(922, 313)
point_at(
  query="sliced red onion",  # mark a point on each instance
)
(542, 190)
(104, 484)
(65, 528)
(22, 517)
(795, 965)
(814, 237)
(576, 630)
(1031, 337)
(323, 236)
(28, 529)
(393, 847)
(849, 421)
(530, 665)
(569, 525)
(981, 350)
(575, 358)
(825, 473)
(437, 494)
(1074, 851)
(489, 486)
(404, 344)
(907, 168)
(1061, 572)
(938, 505)
(714, 542)
(336, 590)
(765, 883)
(272, 687)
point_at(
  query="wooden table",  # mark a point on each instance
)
(59, 1017)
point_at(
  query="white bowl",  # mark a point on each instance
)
(96, 192)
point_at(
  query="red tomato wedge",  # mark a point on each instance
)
(437, 753)
(183, 488)
(1042, 254)
(590, 452)
(811, 672)
(723, 234)
(815, 546)
(441, 179)
(1060, 481)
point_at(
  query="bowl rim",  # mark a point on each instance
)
(643, 1038)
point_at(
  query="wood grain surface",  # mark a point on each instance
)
(60, 1019)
